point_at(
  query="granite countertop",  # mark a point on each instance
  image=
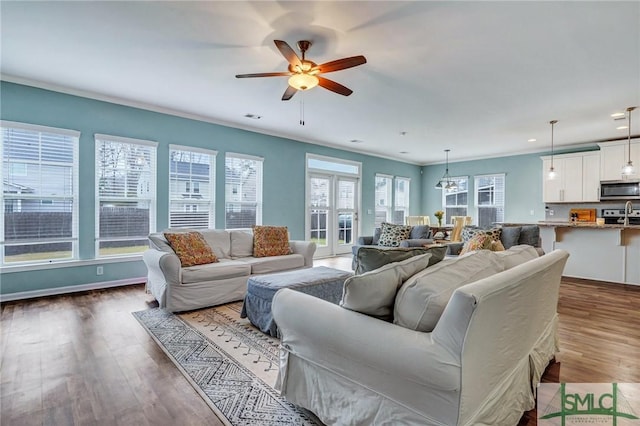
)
(566, 224)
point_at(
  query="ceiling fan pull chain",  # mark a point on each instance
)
(302, 110)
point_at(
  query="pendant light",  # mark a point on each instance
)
(552, 171)
(445, 181)
(628, 168)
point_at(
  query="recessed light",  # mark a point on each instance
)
(253, 116)
(356, 141)
(532, 140)
(617, 114)
(622, 127)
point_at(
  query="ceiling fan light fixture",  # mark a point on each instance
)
(303, 81)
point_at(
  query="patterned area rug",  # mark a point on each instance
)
(231, 364)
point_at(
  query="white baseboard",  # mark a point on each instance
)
(70, 289)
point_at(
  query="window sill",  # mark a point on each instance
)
(7, 269)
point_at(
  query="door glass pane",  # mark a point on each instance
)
(345, 228)
(319, 192)
(319, 227)
(346, 194)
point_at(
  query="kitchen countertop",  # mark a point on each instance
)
(565, 224)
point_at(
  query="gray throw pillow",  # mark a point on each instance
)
(376, 236)
(510, 236)
(370, 258)
(530, 234)
(420, 232)
(373, 293)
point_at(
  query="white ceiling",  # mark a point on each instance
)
(480, 78)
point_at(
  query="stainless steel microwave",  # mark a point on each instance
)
(620, 190)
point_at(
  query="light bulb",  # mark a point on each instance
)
(552, 174)
(628, 169)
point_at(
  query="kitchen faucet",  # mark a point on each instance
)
(628, 208)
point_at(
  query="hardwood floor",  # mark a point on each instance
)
(83, 359)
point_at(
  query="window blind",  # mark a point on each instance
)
(125, 194)
(191, 187)
(243, 191)
(40, 193)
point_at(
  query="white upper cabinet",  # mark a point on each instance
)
(577, 180)
(591, 176)
(614, 155)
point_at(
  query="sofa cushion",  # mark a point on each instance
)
(530, 234)
(510, 236)
(270, 264)
(373, 292)
(270, 241)
(517, 255)
(191, 248)
(219, 241)
(370, 258)
(423, 297)
(393, 234)
(241, 243)
(224, 269)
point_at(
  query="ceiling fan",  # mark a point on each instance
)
(305, 74)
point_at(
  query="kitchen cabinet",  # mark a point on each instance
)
(591, 177)
(614, 155)
(577, 178)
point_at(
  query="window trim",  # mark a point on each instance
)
(444, 198)
(259, 186)
(475, 194)
(213, 155)
(98, 137)
(74, 197)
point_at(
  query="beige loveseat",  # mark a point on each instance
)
(494, 330)
(178, 288)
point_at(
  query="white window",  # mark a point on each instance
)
(125, 194)
(455, 201)
(40, 194)
(401, 199)
(191, 187)
(489, 199)
(384, 200)
(243, 191)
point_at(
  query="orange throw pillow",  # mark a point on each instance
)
(191, 248)
(270, 241)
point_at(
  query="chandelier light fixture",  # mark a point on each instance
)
(552, 171)
(628, 168)
(445, 181)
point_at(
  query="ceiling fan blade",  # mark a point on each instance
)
(340, 64)
(288, 53)
(288, 94)
(334, 87)
(264, 74)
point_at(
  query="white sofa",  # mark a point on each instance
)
(181, 289)
(479, 365)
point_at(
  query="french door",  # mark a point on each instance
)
(332, 212)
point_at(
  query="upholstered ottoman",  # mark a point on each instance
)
(322, 282)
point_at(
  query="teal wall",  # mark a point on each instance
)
(284, 171)
(523, 185)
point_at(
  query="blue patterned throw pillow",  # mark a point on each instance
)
(392, 234)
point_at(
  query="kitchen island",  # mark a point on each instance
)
(597, 252)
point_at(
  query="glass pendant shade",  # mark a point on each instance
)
(552, 174)
(303, 81)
